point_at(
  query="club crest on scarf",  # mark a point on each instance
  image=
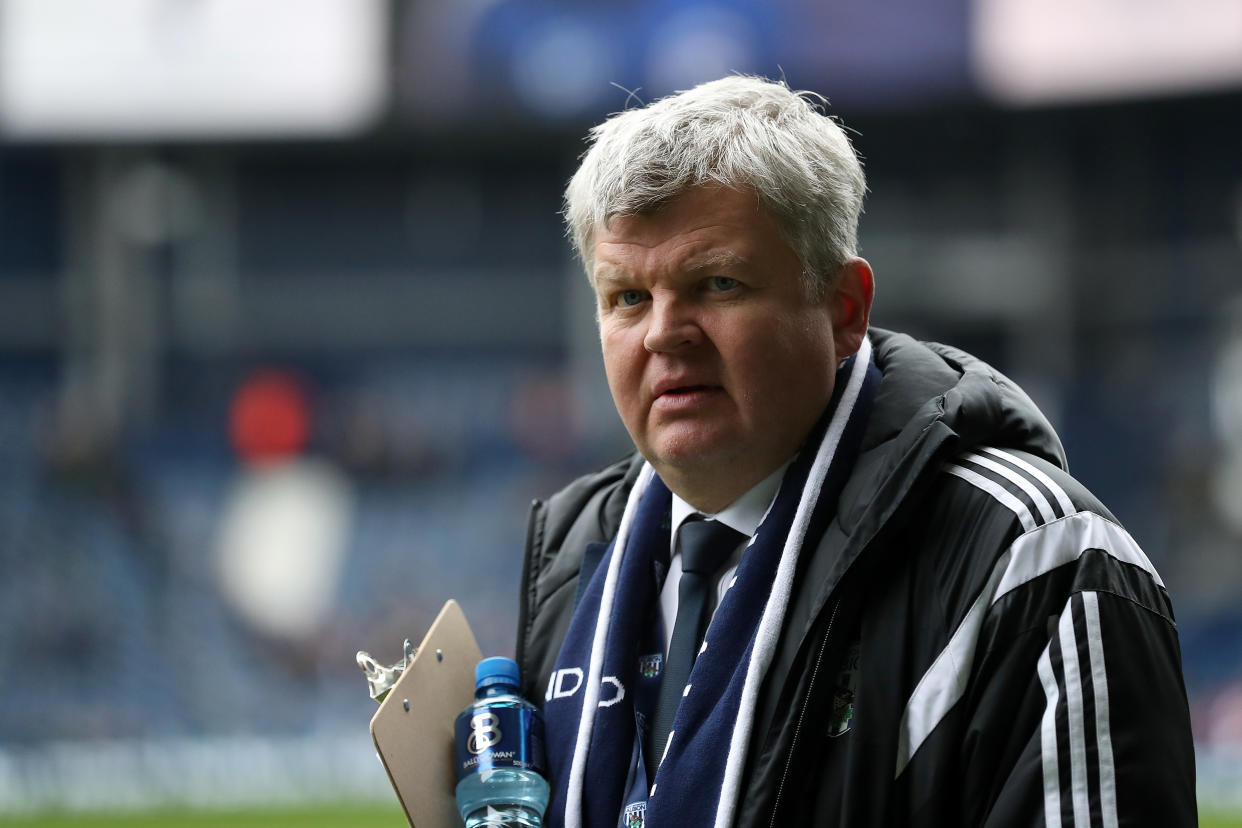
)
(635, 815)
(649, 666)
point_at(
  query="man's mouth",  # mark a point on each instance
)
(686, 397)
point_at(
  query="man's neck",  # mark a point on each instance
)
(708, 493)
(744, 514)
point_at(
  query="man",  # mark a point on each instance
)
(920, 619)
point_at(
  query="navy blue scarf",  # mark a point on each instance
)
(609, 661)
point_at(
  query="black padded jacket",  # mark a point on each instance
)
(974, 641)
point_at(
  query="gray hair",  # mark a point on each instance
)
(740, 132)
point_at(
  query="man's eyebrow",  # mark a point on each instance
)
(606, 274)
(714, 260)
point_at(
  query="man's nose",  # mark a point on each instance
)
(672, 326)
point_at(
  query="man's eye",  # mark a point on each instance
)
(629, 298)
(721, 283)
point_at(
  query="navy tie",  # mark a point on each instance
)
(705, 546)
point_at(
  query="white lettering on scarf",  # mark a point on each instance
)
(558, 689)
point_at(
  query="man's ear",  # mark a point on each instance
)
(850, 296)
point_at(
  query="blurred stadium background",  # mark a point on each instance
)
(290, 337)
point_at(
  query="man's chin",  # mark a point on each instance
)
(695, 464)
(692, 452)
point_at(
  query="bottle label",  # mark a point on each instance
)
(489, 738)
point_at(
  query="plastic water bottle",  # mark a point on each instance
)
(500, 753)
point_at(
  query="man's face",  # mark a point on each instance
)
(718, 362)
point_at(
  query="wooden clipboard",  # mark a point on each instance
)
(413, 728)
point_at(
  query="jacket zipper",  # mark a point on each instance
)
(793, 746)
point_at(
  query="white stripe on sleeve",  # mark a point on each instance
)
(1033, 554)
(1037, 497)
(1103, 739)
(1077, 725)
(1048, 742)
(1067, 506)
(997, 491)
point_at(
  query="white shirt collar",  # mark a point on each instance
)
(744, 514)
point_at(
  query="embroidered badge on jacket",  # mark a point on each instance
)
(842, 715)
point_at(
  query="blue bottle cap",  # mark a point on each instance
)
(496, 670)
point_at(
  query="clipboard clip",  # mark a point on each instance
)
(380, 679)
